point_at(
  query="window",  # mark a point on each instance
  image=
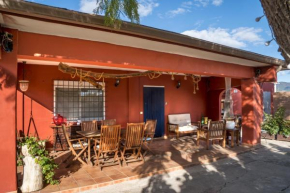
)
(78, 102)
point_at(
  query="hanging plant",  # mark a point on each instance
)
(37, 150)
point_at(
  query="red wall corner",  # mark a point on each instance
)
(252, 111)
(8, 80)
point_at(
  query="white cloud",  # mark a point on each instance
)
(184, 7)
(204, 3)
(247, 34)
(186, 4)
(146, 7)
(88, 6)
(238, 38)
(217, 2)
(175, 12)
(284, 73)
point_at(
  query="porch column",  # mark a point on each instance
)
(8, 85)
(252, 111)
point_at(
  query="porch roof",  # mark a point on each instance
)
(30, 17)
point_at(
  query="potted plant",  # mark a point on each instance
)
(276, 124)
(38, 165)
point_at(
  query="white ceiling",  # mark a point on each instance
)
(48, 28)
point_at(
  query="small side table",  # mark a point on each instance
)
(57, 138)
(234, 133)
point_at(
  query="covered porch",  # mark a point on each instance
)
(169, 155)
(44, 38)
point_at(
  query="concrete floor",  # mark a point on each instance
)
(266, 169)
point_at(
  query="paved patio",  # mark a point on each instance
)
(170, 155)
(263, 170)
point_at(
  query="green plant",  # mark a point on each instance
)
(270, 124)
(276, 124)
(113, 10)
(37, 151)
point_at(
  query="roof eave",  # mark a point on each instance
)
(59, 15)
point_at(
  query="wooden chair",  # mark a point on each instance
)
(82, 147)
(89, 125)
(109, 143)
(216, 131)
(109, 122)
(133, 141)
(149, 133)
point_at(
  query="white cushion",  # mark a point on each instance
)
(179, 119)
(188, 128)
(77, 145)
(230, 125)
(147, 139)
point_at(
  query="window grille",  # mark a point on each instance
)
(78, 102)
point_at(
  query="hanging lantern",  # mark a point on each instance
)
(23, 85)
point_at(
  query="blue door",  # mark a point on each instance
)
(154, 107)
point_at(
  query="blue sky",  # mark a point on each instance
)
(228, 22)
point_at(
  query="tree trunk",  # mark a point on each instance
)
(32, 177)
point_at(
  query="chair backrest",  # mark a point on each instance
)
(89, 125)
(150, 127)
(217, 129)
(65, 133)
(110, 138)
(179, 119)
(134, 135)
(109, 122)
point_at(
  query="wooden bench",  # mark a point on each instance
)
(181, 124)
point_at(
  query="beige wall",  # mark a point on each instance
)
(282, 99)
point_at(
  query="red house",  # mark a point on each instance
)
(44, 36)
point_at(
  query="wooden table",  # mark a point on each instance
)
(233, 133)
(89, 135)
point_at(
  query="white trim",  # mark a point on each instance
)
(153, 86)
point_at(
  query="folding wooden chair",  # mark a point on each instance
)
(82, 148)
(149, 133)
(109, 122)
(109, 143)
(216, 131)
(89, 125)
(133, 141)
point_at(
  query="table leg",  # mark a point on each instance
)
(57, 140)
(232, 138)
(238, 137)
(89, 151)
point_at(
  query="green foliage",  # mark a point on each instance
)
(276, 124)
(114, 9)
(270, 125)
(37, 151)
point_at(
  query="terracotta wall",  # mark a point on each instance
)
(252, 111)
(72, 50)
(123, 103)
(8, 83)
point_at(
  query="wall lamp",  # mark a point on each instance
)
(178, 85)
(117, 82)
(267, 43)
(259, 18)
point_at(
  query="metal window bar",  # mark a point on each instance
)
(78, 102)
